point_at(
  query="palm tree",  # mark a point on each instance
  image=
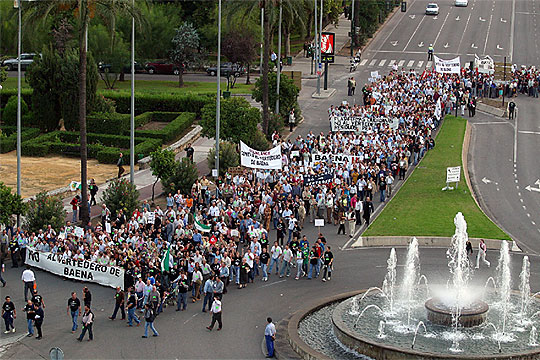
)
(294, 13)
(83, 12)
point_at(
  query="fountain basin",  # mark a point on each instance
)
(471, 315)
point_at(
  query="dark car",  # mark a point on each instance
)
(102, 67)
(162, 67)
(226, 69)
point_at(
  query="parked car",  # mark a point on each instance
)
(26, 60)
(102, 67)
(432, 9)
(461, 2)
(226, 68)
(162, 67)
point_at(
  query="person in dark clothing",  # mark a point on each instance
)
(38, 320)
(30, 316)
(87, 321)
(118, 304)
(368, 210)
(14, 250)
(189, 152)
(93, 191)
(328, 261)
(120, 164)
(87, 300)
(511, 109)
(9, 313)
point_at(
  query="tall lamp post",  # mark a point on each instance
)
(132, 117)
(353, 29)
(18, 5)
(279, 58)
(262, 41)
(218, 97)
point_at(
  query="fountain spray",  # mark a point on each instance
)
(410, 277)
(504, 280)
(390, 278)
(524, 285)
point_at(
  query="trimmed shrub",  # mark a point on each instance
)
(172, 130)
(5, 94)
(9, 114)
(107, 123)
(145, 102)
(29, 148)
(9, 138)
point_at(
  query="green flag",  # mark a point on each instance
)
(166, 262)
(201, 227)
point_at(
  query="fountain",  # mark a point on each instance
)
(435, 319)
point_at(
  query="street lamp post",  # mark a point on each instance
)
(19, 105)
(132, 118)
(262, 41)
(317, 55)
(353, 29)
(218, 97)
(279, 59)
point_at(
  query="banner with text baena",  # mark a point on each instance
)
(251, 158)
(452, 66)
(82, 270)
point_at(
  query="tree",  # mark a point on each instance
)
(228, 157)
(3, 74)
(183, 176)
(82, 11)
(185, 49)
(10, 204)
(121, 194)
(288, 94)
(238, 120)
(162, 164)
(239, 46)
(45, 210)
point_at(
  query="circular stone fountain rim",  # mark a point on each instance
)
(340, 326)
(430, 305)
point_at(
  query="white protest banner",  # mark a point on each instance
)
(318, 158)
(447, 66)
(319, 222)
(438, 109)
(108, 227)
(270, 159)
(453, 174)
(79, 231)
(358, 123)
(335, 158)
(375, 74)
(82, 270)
(295, 153)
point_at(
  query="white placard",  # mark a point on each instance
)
(83, 270)
(319, 222)
(453, 174)
(235, 232)
(108, 227)
(270, 159)
(375, 74)
(214, 173)
(79, 231)
(295, 153)
(452, 66)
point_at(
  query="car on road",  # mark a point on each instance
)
(226, 68)
(102, 67)
(162, 67)
(432, 9)
(26, 60)
(461, 2)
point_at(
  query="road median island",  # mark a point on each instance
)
(421, 208)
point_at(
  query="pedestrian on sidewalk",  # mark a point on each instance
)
(28, 278)
(120, 164)
(74, 309)
(9, 313)
(328, 263)
(87, 322)
(270, 337)
(93, 191)
(482, 251)
(292, 120)
(118, 304)
(30, 316)
(353, 86)
(368, 210)
(149, 317)
(189, 152)
(216, 314)
(131, 306)
(75, 202)
(349, 86)
(38, 320)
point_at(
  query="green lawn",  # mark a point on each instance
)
(158, 86)
(420, 208)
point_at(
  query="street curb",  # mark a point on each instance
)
(492, 110)
(427, 241)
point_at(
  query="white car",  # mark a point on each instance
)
(461, 2)
(432, 9)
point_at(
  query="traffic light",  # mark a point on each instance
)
(403, 6)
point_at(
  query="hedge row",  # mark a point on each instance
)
(172, 130)
(159, 102)
(5, 94)
(9, 142)
(104, 147)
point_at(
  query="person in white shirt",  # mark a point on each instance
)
(275, 253)
(287, 259)
(216, 313)
(270, 337)
(28, 278)
(482, 250)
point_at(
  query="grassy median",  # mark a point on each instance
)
(421, 208)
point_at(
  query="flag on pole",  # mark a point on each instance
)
(201, 227)
(74, 186)
(166, 262)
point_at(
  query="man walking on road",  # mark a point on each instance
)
(149, 317)
(511, 109)
(131, 306)
(430, 52)
(38, 320)
(74, 308)
(270, 337)
(368, 209)
(28, 278)
(119, 304)
(216, 314)
(87, 321)
(30, 316)
(9, 314)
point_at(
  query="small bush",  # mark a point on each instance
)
(9, 138)
(5, 94)
(9, 114)
(45, 210)
(121, 194)
(228, 157)
(183, 177)
(107, 123)
(29, 148)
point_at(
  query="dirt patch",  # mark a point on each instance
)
(49, 173)
(153, 125)
(495, 102)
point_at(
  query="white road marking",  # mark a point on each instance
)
(192, 316)
(372, 62)
(464, 31)
(515, 137)
(429, 64)
(524, 207)
(487, 35)
(410, 63)
(382, 62)
(401, 62)
(363, 62)
(532, 222)
(415, 30)
(512, 20)
(521, 200)
(420, 63)
(493, 123)
(392, 62)
(440, 30)
(528, 215)
(529, 132)
(394, 43)
(274, 283)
